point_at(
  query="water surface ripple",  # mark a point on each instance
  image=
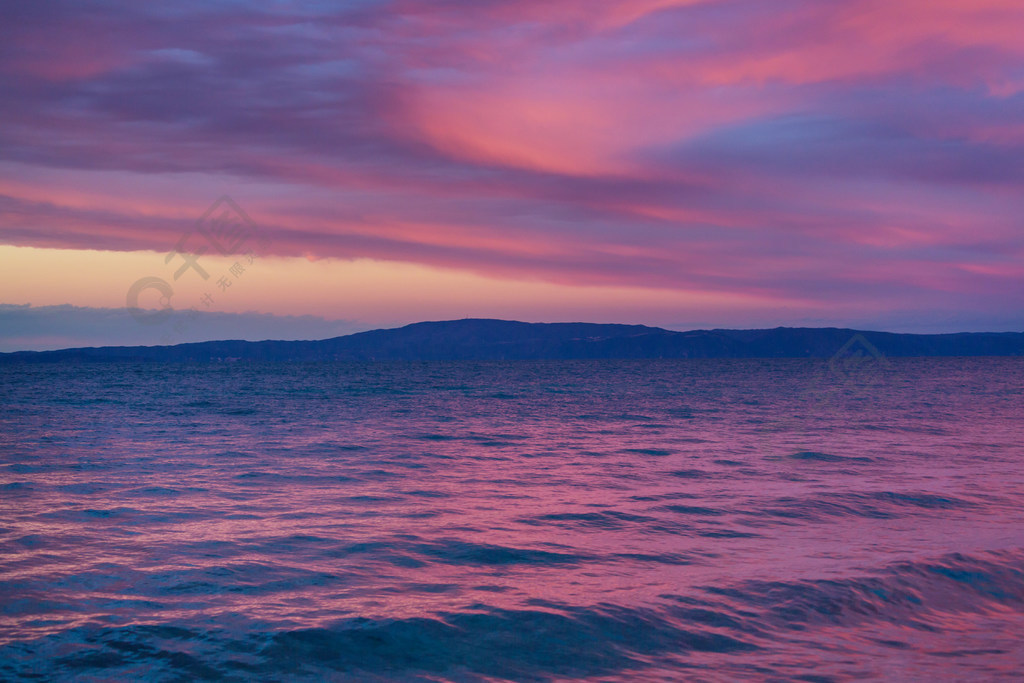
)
(535, 521)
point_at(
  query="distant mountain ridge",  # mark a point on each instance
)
(486, 339)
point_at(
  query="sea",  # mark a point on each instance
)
(636, 520)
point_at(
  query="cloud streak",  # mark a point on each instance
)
(41, 328)
(793, 149)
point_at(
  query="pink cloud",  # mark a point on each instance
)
(782, 148)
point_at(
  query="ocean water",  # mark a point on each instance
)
(529, 521)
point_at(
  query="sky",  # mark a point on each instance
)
(680, 163)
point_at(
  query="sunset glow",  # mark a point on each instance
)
(512, 340)
(676, 163)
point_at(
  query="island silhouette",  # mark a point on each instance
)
(487, 339)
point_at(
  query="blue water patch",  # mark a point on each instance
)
(613, 521)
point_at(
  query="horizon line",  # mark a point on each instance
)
(501, 320)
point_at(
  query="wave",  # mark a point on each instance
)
(747, 624)
(871, 504)
(913, 594)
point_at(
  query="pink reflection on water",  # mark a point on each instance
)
(455, 505)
